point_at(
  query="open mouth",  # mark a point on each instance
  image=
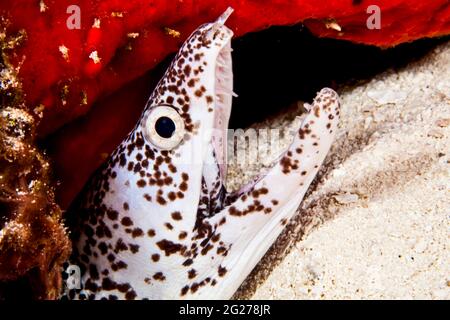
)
(215, 165)
(224, 95)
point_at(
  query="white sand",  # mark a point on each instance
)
(376, 221)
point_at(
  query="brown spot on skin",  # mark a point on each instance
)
(198, 56)
(159, 276)
(191, 83)
(287, 165)
(155, 257)
(126, 221)
(182, 235)
(151, 233)
(161, 200)
(188, 262)
(176, 216)
(93, 272)
(172, 196)
(184, 290)
(168, 180)
(130, 166)
(112, 214)
(134, 248)
(140, 142)
(317, 112)
(126, 207)
(172, 168)
(137, 232)
(221, 250)
(222, 271)
(108, 285)
(168, 226)
(123, 160)
(119, 265)
(169, 247)
(233, 211)
(194, 287)
(141, 183)
(192, 274)
(103, 248)
(120, 246)
(130, 295)
(183, 186)
(187, 70)
(206, 249)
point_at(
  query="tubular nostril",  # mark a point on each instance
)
(224, 17)
(221, 21)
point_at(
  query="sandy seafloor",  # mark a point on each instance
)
(375, 223)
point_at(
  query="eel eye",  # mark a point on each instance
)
(164, 127)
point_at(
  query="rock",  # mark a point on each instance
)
(443, 122)
(385, 96)
(346, 198)
(33, 240)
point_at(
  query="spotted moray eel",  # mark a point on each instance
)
(155, 221)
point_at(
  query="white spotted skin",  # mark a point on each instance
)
(157, 224)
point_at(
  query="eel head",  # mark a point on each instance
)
(156, 222)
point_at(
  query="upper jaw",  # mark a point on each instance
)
(215, 166)
(222, 107)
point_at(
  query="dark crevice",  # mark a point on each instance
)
(281, 65)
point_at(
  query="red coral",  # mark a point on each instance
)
(68, 70)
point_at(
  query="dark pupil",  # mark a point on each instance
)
(165, 127)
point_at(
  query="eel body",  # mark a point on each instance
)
(155, 221)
